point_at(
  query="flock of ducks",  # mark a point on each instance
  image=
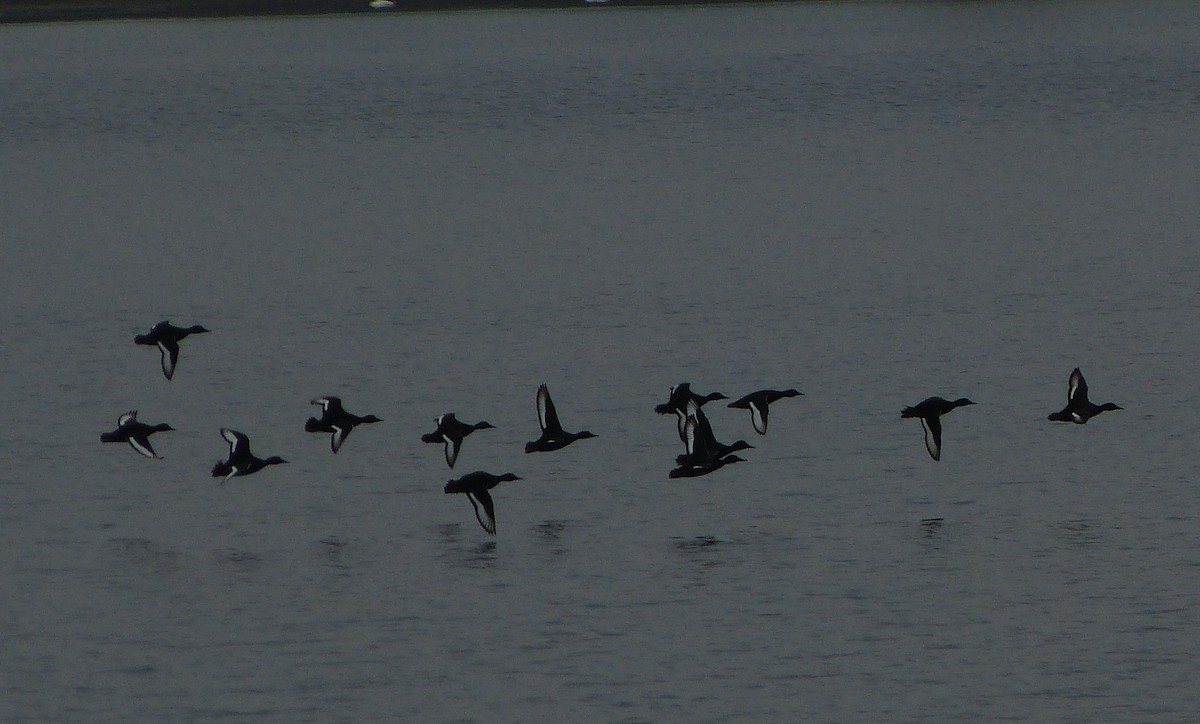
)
(703, 453)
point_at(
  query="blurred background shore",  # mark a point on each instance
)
(27, 11)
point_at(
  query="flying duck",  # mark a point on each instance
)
(335, 420)
(476, 485)
(137, 434)
(1079, 409)
(695, 471)
(241, 461)
(704, 453)
(166, 337)
(553, 436)
(451, 431)
(677, 402)
(757, 402)
(930, 411)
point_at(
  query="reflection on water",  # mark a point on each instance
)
(145, 553)
(1081, 532)
(237, 560)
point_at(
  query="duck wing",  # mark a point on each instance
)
(758, 415)
(488, 518)
(705, 440)
(329, 405)
(239, 444)
(689, 436)
(933, 436)
(141, 443)
(681, 424)
(340, 432)
(547, 415)
(1077, 389)
(452, 447)
(170, 355)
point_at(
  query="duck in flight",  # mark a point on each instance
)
(695, 471)
(476, 486)
(450, 433)
(677, 403)
(241, 461)
(335, 420)
(1079, 408)
(757, 403)
(137, 434)
(166, 336)
(704, 453)
(553, 436)
(930, 410)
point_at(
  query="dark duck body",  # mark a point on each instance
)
(930, 411)
(241, 461)
(704, 453)
(553, 436)
(1079, 408)
(695, 471)
(166, 336)
(677, 403)
(137, 434)
(476, 486)
(758, 403)
(450, 433)
(336, 421)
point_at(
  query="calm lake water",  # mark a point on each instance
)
(871, 202)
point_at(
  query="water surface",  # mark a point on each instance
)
(870, 202)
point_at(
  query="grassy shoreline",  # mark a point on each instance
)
(43, 11)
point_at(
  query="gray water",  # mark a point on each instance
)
(871, 202)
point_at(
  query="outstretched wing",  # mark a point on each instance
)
(330, 405)
(547, 415)
(488, 517)
(705, 440)
(239, 444)
(127, 418)
(689, 436)
(141, 443)
(452, 447)
(758, 416)
(1076, 387)
(338, 437)
(170, 355)
(933, 436)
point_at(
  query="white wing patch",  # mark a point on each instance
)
(234, 438)
(339, 437)
(543, 393)
(934, 451)
(689, 435)
(142, 448)
(168, 364)
(1073, 385)
(759, 419)
(486, 520)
